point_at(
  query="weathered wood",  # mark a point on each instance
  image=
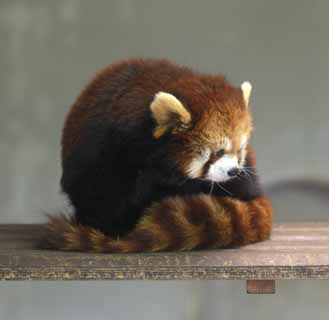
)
(260, 286)
(296, 251)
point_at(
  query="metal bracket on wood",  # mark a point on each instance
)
(261, 286)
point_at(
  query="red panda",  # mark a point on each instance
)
(156, 157)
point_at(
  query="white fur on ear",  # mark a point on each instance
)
(246, 88)
(169, 113)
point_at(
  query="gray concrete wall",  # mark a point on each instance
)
(50, 49)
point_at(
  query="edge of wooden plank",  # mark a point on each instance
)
(224, 273)
(22, 264)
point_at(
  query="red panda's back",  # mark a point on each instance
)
(121, 92)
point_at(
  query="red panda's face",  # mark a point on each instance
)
(209, 142)
(216, 160)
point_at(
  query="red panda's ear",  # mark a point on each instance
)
(246, 88)
(169, 114)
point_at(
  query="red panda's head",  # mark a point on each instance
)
(209, 128)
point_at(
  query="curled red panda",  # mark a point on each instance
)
(157, 157)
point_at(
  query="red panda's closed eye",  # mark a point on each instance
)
(220, 153)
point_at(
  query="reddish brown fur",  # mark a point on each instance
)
(225, 115)
(83, 109)
(174, 223)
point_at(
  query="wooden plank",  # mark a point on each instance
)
(261, 286)
(296, 251)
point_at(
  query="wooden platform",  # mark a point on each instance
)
(296, 251)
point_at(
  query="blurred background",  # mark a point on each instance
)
(50, 49)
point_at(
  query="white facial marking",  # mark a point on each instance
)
(219, 169)
(227, 144)
(243, 141)
(243, 151)
(243, 157)
(194, 170)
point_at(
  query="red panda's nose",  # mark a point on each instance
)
(233, 172)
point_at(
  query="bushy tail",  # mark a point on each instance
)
(176, 223)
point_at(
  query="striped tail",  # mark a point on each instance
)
(176, 223)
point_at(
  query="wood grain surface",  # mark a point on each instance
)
(295, 251)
